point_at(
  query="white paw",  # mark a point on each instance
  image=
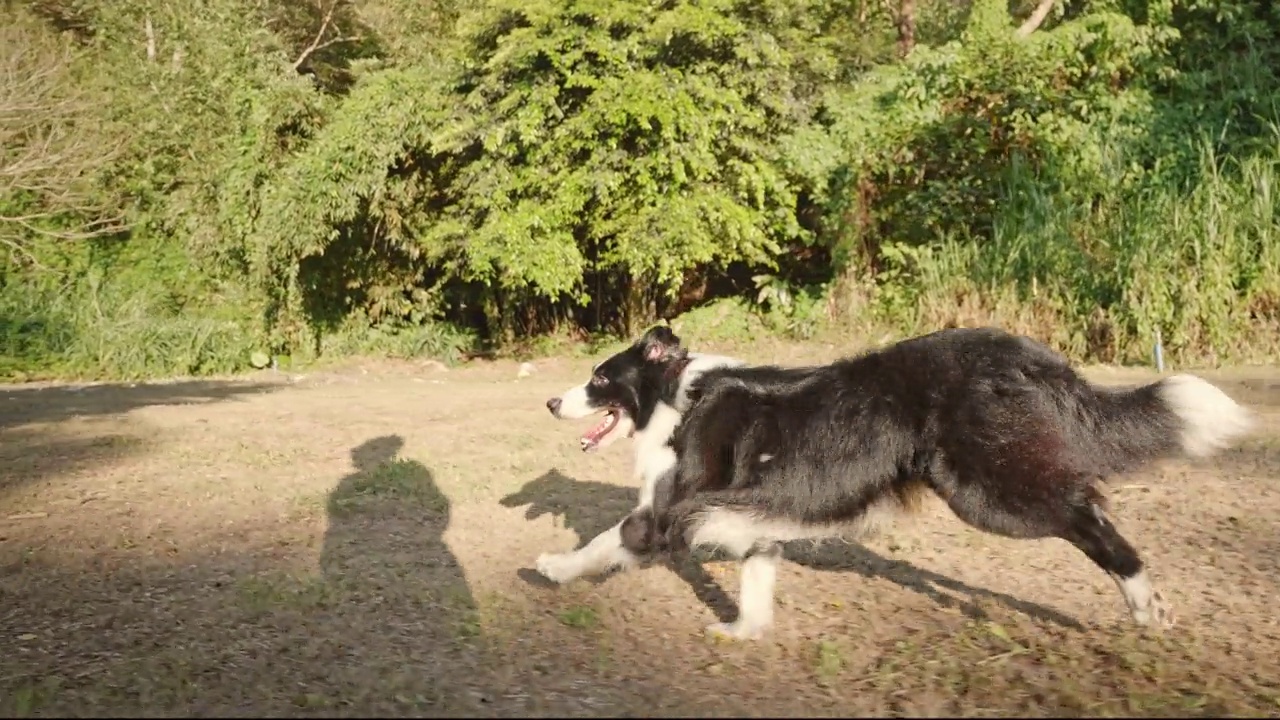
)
(1158, 614)
(736, 631)
(559, 568)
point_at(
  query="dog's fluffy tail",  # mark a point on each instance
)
(1210, 419)
(1178, 415)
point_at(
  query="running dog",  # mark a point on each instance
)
(998, 426)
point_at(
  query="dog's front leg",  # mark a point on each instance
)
(604, 553)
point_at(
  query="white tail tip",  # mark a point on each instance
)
(1211, 420)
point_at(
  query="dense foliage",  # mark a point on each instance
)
(187, 187)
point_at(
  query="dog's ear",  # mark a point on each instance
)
(660, 344)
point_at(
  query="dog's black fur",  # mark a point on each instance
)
(998, 426)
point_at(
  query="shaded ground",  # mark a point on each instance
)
(359, 541)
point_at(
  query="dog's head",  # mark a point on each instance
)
(625, 387)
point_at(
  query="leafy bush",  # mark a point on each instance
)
(325, 177)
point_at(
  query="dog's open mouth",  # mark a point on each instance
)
(604, 431)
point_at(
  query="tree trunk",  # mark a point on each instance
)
(906, 27)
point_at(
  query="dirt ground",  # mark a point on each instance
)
(360, 541)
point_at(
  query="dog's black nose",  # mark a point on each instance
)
(554, 406)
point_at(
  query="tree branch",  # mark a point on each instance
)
(1036, 20)
(17, 249)
(97, 228)
(318, 43)
(51, 146)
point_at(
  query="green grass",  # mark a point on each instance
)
(399, 479)
(147, 310)
(1098, 279)
(828, 660)
(580, 617)
(264, 593)
(29, 698)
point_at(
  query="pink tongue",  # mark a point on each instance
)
(599, 431)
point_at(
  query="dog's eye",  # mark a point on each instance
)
(599, 380)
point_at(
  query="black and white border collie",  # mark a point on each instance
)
(998, 426)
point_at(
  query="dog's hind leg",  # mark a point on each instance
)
(1091, 531)
(1064, 506)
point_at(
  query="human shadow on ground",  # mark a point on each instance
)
(243, 625)
(589, 508)
(385, 556)
(242, 622)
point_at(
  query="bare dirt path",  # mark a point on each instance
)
(358, 541)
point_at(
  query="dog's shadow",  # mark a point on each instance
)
(590, 508)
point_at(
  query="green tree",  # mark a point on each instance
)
(572, 136)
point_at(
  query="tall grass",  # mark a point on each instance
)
(139, 310)
(1099, 277)
(93, 328)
